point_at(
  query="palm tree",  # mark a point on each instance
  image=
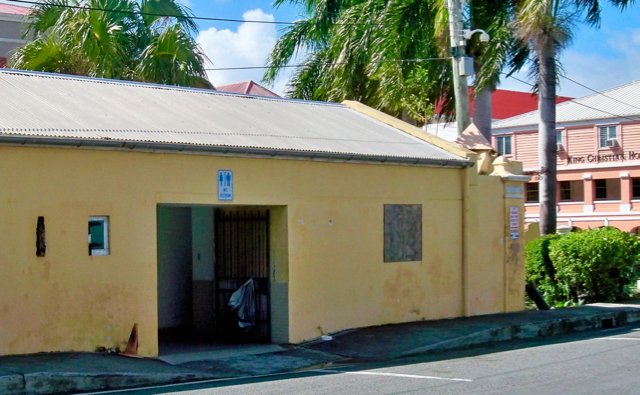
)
(356, 51)
(546, 25)
(131, 41)
(503, 51)
(356, 47)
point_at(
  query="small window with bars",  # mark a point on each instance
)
(601, 189)
(565, 191)
(532, 192)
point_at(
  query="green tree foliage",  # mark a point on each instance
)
(598, 265)
(358, 50)
(146, 40)
(547, 27)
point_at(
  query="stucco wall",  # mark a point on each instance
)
(486, 272)
(331, 214)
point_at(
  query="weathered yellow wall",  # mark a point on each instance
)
(334, 225)
(486, 273)
(514, 286)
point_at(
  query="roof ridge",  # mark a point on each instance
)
(246, 91)
(148, 85)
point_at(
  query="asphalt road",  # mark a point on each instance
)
(602, 362)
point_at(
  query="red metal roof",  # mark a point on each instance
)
(507, 104)
(246, 88)
(14, 9)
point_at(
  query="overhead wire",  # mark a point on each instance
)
(581, 104)
(194, 17)
(191, 17)
(598, 92)
(215, 19)
(325, 64)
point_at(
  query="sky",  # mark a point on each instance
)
(598, 58)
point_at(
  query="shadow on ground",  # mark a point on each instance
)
(370, 363)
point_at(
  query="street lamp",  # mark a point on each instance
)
(484, 37)
(462, 65)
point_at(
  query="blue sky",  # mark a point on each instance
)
(599, 58)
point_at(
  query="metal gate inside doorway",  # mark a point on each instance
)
(242, 253)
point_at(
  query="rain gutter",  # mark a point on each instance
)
(144, 146)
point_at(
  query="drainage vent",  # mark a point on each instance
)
(607, 323)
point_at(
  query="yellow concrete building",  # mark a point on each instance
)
(127, 203)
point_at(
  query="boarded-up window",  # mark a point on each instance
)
(402, 232)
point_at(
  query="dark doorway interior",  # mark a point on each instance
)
(204, 255)
(242, 253)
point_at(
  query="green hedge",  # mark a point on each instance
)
(597, 265)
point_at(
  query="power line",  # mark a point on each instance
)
(201, 18)
(324, 64)
(592, 90)
(192, 17)
(598, 92)
(581, 104)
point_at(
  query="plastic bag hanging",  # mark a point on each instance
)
(242, 300)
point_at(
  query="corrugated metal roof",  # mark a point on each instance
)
(46, 105)
(619, 102)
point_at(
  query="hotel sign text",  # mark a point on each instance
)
(631, 155)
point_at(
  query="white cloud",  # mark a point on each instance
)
(248, 46)
(599, 70)
(603, 71)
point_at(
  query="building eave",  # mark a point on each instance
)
(49, 142)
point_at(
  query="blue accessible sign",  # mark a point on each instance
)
(225, 185)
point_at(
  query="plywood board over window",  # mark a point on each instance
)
(402, 232)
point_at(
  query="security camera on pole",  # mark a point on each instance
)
(462, 64)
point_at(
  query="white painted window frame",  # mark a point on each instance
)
(608, 126)
(501, 142)
(104, 251)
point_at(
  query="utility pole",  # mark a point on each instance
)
(461, 89)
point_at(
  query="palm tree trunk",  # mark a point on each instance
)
(482, 111)
(547, 137)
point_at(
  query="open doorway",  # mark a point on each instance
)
(205, 254)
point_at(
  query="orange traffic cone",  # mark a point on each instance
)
(132, 344)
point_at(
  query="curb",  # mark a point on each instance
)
(12, 384)
(532, 329)
(65, 382)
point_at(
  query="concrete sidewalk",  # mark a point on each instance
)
(75, 372)
(393, 341)
(55, 373)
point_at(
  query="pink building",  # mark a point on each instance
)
(11, 17)
(598, 158)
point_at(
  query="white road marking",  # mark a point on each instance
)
(409, 376)
(621, 338)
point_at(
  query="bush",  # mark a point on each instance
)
(598, 265)
(539, 270)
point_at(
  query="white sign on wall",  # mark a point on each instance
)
(225, 185)
(514, 219)
(514, 222)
